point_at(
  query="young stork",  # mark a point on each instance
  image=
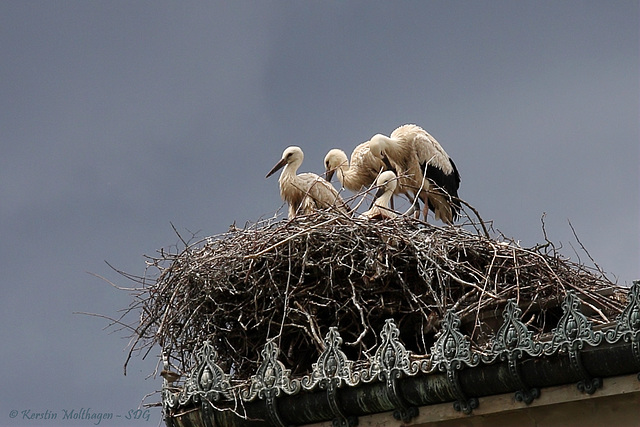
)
(305, 192)
(361, 172)
(387, 181)
(424, 168)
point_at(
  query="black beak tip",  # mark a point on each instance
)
(277, 167)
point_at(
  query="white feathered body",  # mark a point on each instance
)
(423, 168)
(360, 172)
(381, 209)
(305, 192)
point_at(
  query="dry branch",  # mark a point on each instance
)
(293, 279)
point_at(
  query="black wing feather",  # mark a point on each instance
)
(447, 182)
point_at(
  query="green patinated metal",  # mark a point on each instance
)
(396, 380)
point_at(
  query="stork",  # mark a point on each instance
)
(361, 172)
(387, 183)
(305, 192)
(424, 168)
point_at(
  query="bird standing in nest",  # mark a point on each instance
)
(361, 172)
(423, 168)
(387, 183)
(305, 192)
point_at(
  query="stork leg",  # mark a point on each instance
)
(414, 209)
(425, 211)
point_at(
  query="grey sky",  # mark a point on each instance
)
(119, 118)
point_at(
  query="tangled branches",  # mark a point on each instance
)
(291, 280)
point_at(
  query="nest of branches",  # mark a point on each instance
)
(291, 280)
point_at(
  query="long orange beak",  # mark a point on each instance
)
(279, 165)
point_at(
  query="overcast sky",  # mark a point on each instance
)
(120, 118)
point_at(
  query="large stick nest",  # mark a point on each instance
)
(293, 279)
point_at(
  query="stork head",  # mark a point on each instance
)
(387, 181)
(290, 156)
(334, 159)
(377, 144)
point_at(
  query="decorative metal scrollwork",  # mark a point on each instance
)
(210, 380)
(206, 382)
(331, 365)
(451, 351)
(628, 323)
(511, 342)
(391, 356)
(271, 375)
(450, 354)
(340, 418)
(574, 330)
(391, 362)
(330, 372)
(270, 381)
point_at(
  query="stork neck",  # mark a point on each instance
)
(288, 173)
(383, 201)
(343, 172)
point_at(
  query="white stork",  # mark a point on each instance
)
(387, 183)
(361, 172)
(424, 168)
(305, 192)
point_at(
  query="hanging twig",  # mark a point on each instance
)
(294, 279)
